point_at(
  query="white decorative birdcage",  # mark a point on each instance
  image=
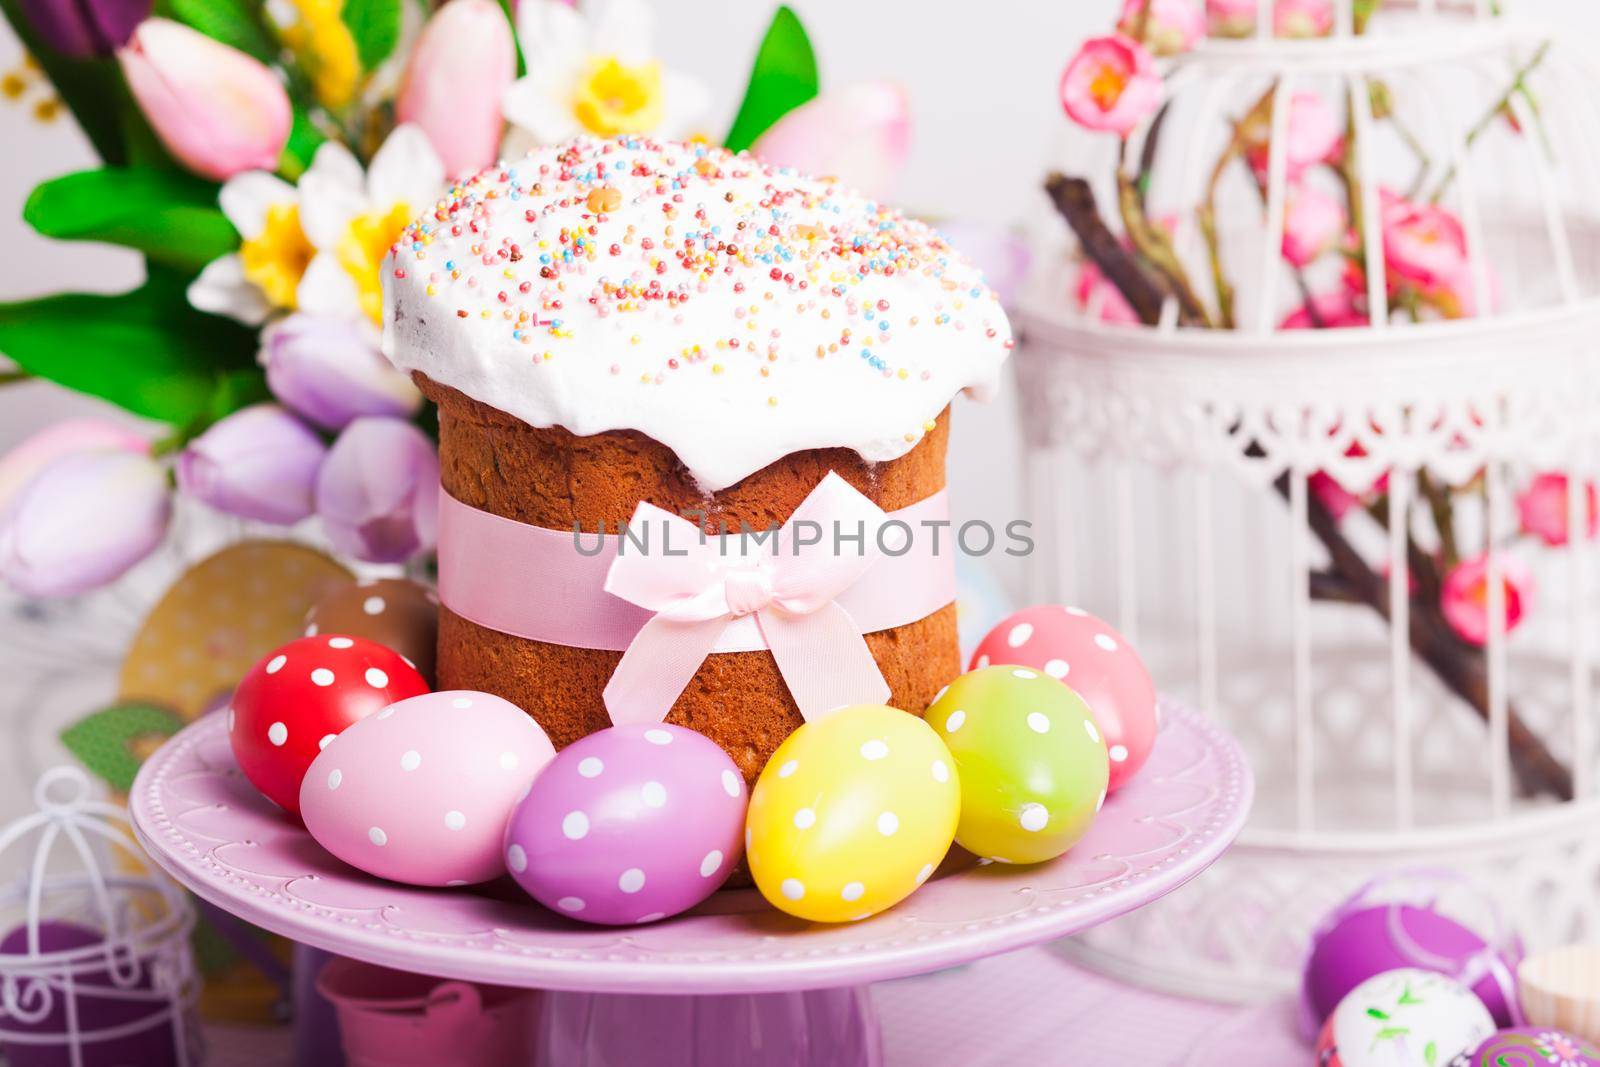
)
(1180, 474)
(95, 966)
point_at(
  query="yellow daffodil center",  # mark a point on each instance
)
(362, 248)
(614, 98)
(275, 258)
(322, 42)
(1107, 85)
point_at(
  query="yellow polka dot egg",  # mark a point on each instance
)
(852, 813)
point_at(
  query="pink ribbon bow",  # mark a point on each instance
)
(697, 585)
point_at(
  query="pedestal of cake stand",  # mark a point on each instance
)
(732, 982)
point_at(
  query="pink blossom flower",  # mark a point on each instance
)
(1335, 499)
(1231, 18)
(1314, 135)
(860, 134)
(1097, 296)
(1425, 247)
(217, 110)
(1171, 27)
(1542, 509)
(1313, 224)
(463, 63)
(1302, 18)
(1464, 598)
(1334, 310)
(1111, 84)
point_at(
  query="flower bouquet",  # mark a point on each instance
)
(1365, 242)
(263, 157)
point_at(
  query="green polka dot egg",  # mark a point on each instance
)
(1032, 763)
(852, 813)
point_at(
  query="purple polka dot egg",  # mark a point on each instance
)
(421, 792)
(629, 825)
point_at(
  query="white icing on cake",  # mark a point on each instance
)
(732, 311)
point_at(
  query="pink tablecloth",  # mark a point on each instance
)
(1030, 1007)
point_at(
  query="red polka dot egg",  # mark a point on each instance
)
(420, 792)
(629, 825)
(1097, 663)
(301, 696)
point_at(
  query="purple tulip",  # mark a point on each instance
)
(378, 493)
(331, 371)
(82, 521)
(83, 28)
(258, 463)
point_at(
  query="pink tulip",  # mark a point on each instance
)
(22, 463)
(1312, 225)
(1111, 84)
(1302, 18)
(1335, 310)
(82, 521)
(378, 493)
(1542, 508)
(1464, 598)
(1170, 28)
(860, 134)
(1231, 18)
(217, 110)
(259, 463)
(463, 63)
(1314, 135)
(1097, 296)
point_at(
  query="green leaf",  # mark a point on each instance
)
(84, 85)
(172, 218)
(304, 140)
(516, 43)
(236, 23)
(146, 350)
(783, 78)
(375, 25)
(108, 741)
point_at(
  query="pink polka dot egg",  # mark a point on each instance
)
(420, 792)
(629, 825)
(1096, 662)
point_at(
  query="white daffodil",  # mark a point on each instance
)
(318, 247)
(264, 276)
(352, 218)
(596, 75)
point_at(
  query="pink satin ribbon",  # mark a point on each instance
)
(809, 605)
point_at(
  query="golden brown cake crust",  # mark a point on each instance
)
(553, 478)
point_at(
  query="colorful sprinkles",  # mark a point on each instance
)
(596, 232)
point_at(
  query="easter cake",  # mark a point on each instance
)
(610, 322)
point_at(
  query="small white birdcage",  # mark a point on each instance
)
(1279, 516)
(95, 965)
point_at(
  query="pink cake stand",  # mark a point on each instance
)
(732, 982)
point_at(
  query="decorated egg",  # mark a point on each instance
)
(300, 697)
(420, 792)
(397, 613)
(852, 813)
(1531, 1046)
(1032, 762)
(628, 825)
(1383, 937)
(1404, 1018)
(1073, 646)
